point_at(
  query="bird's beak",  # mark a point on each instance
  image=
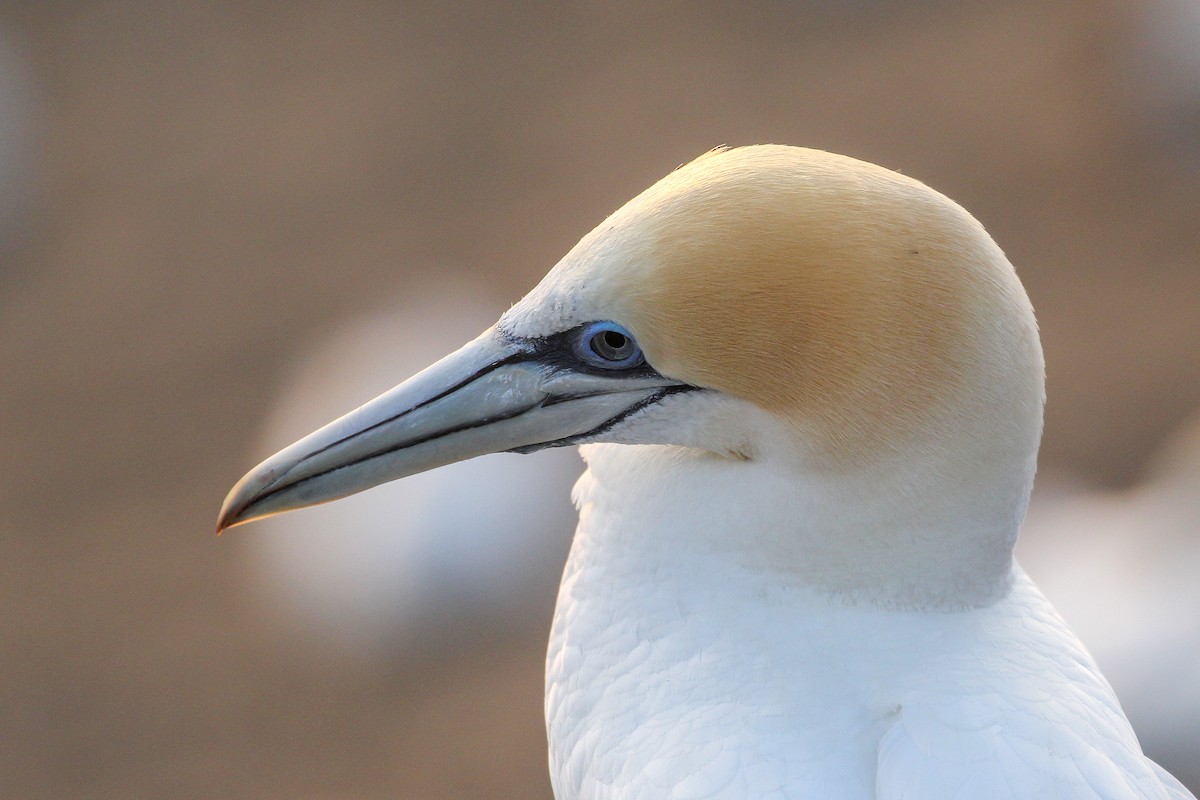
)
(495, 394)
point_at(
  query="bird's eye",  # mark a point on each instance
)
(608, 346)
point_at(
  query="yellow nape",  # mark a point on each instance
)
(854, 302)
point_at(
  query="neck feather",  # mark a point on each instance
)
(882, 537)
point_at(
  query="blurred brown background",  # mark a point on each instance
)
(194, 191)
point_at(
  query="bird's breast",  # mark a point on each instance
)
(675, 671)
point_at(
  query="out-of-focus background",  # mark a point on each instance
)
(222, 224)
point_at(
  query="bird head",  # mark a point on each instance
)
(759, 303)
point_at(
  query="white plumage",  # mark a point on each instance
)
(691, 675)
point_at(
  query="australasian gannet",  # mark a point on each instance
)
(800, 583)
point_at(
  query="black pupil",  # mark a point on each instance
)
(612, 345)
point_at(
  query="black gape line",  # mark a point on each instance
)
(556, 352)
(608, 424)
